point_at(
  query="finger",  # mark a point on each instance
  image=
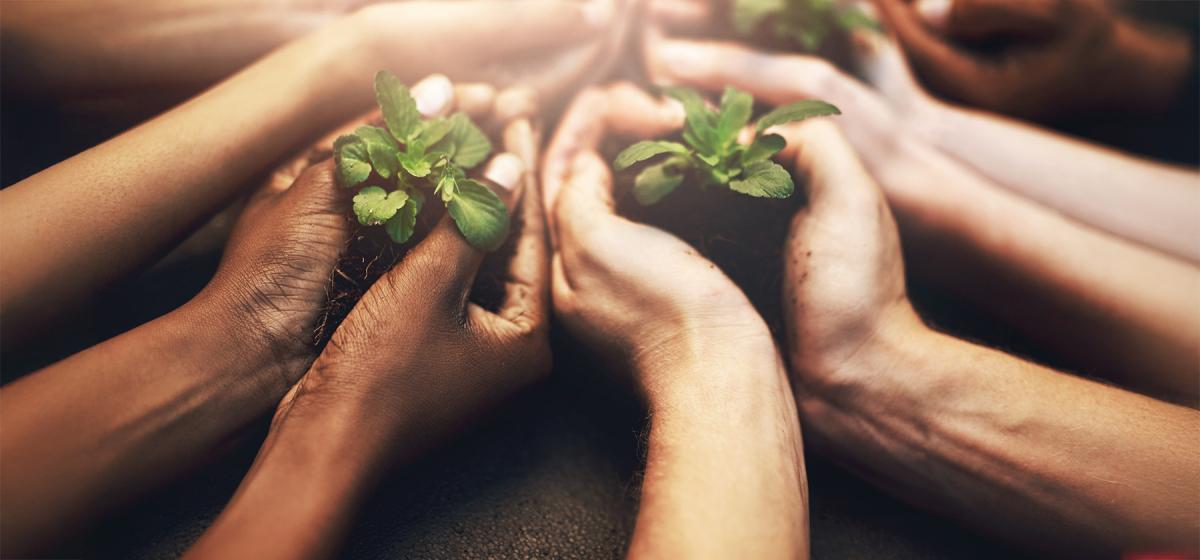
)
(948, 69)
(585, 204)
(513, 103)
(434, 96)
(983, 19)
(476, 100)
(686, 16)
(709, 65)
(445, 258)
(526, 281)
(497, 29)
(622, 109)
(836, 176)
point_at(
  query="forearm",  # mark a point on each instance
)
(1013, 448)
(299, 498)
(104, 426)
(74, 228)
(1146, 202)
(1111, 307)
(725, 468)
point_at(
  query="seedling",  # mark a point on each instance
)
(712, 153)
(395, 166)
(808, 22)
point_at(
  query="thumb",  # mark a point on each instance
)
(837, 182)
(445, 259)
(586, 199)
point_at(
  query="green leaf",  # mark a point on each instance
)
(749, 14)
(656, 181)
(700, 124)
(374, 206)
(647, 149)
(765, 179)
(350, 155)
(415, 164)
(480, 214)
(432, 131)
(796, 112)
(382, 149)
(736, 107)
(763, 148)
(447, 185)
(401, 226)
(464, 142)
(399, 107)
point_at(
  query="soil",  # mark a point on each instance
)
(744, 236)
(371, 253)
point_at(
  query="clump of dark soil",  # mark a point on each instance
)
(742, 235)
(371, 253)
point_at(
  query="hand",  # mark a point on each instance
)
(414, 359)
(632, 291)
(844, 273)
(1059, 58)
(549, 46)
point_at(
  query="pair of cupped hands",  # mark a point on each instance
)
(415, 359)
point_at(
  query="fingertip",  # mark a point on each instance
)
(476, 100)
(935, 13)
(506, 171)
(434, 96)
(516, 102)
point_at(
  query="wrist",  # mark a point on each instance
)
(271, 359)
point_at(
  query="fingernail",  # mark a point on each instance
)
(934, 12)
(505, 170)
(597, 13)
(434, 95)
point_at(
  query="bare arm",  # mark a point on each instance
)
(74, 228)
(725, 467)
(1040, 457)
(1012, 448)
(1111, 306)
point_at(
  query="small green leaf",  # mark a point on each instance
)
(447, 185)
(464, 142)
(765, 179)
(432, 131)
(647, 149)
(353, 164)
(401, 226)
(763, 148)
(700, 124)
(374, 206)
(382, 149)
(415, 164)
(796, 112)
(481, 215)
(656, 181)
(736, 107)
(399, 107)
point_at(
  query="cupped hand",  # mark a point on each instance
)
(414, 359)
(634, 293)
(844, 285)
(274, 277)
(1058, 58)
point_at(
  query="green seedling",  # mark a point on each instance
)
(808, 22)
(395, 166)
(711, 152)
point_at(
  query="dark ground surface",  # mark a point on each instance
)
(552, 475)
